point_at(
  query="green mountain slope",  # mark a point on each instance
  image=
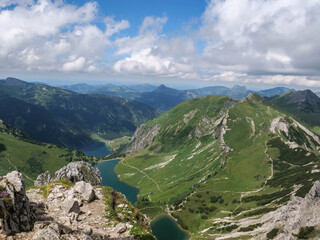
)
(211, 162)
(304, 105)
(54, 115)
(19, 152)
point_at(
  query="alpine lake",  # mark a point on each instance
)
(163, 227)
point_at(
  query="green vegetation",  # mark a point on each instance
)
(118, 209)
(54, 115)
(119, 142)
(305, 232)
(189, 170)
(272, 233)
(46, 189)
(303, 105)
(31, 158)
(250, 228)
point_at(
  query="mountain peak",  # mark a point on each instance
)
(14, 82)
(164, 89)
(304, 96)
(254, 97)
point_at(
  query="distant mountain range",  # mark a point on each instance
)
(54, 115)
(164, 98)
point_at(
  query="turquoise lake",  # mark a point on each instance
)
(110, 178)
(163, 227)
(97, 149)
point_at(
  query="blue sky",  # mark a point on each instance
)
(257, 43)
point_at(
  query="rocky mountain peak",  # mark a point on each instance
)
(304, 96)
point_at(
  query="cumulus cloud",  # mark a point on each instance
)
(43, 35)
(263, 35)
(113, 26)
(75, 65)
(151, 53)
(248, 41)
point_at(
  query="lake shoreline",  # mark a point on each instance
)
(170, 216)
(111, 178)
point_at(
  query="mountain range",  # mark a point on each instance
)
(164, 98)
(54, 115)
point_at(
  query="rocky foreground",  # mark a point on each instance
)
(64, 209)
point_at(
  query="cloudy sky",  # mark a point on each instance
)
(257, 43)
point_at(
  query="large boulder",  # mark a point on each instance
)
(15, 213)
(75, 172)
(85, 190)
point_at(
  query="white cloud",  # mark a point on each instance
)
(248, 41)
(6, 3)
(148, 36)
(42, 35)
(74, 66)
(151, 53)
(263, 35)
(113, 26)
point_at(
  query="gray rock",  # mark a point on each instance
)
(14, 204)
(142, 138)
(75, 172)
(121, 228)
(71, 206)
(85, 191)
(43, 179)
(46, 234)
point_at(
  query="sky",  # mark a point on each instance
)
(256, 43)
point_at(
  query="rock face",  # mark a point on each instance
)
(62, 211)
(286, 222)
(43, 179)
(298, 213)
(75, 172)
(15, 213)
(142, 138)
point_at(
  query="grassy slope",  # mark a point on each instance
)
(205, 184)
(55, 115)
(18, 152)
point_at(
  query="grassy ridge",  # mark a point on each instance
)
(188, 172)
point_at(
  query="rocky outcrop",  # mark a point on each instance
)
(75, 172)
(142, 138)
(43, 179)
(298, 213)
(62, 210)
(286, 222)
(15, 215)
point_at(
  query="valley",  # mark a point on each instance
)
(159, 120)
(214, 163)
(53, 115)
